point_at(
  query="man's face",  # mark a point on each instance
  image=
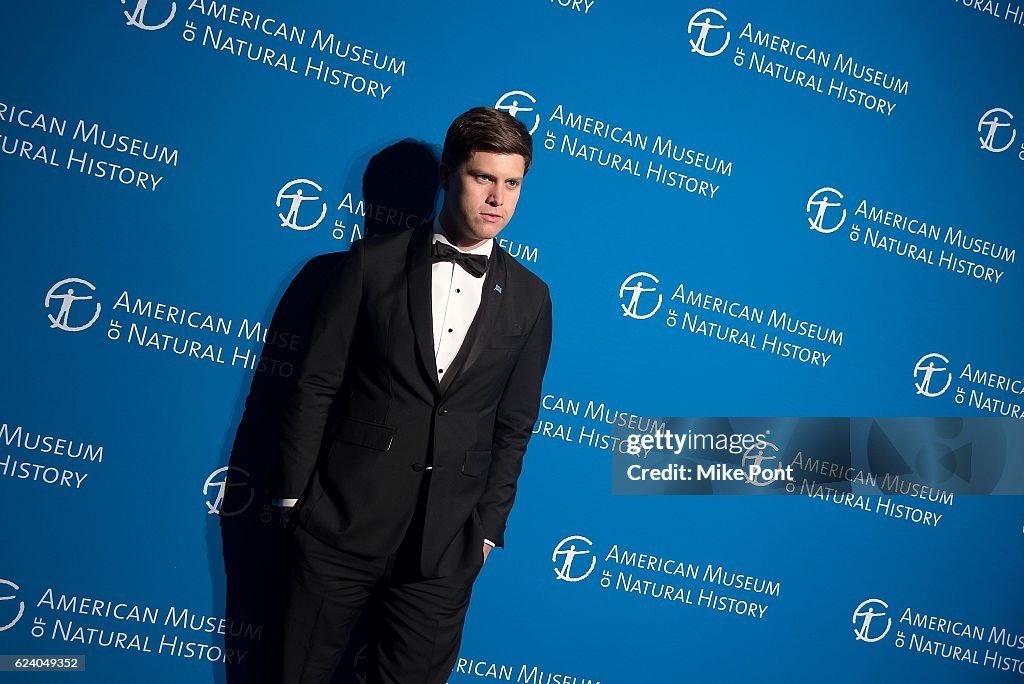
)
(481, 195)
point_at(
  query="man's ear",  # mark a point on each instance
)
(443, 173)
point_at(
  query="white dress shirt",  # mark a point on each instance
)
(455, 298)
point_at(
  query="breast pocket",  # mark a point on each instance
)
(505, 341)
(508, 335)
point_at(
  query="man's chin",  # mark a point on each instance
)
(486, 231)
(492, 229)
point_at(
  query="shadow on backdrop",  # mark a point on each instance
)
(400, 190)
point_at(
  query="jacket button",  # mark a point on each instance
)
(418, 467)
(442, 411)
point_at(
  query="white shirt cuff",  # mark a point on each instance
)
(287, 503)
(488, 542)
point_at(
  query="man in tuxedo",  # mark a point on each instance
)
(403, 442)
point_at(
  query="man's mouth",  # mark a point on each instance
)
(492, 218)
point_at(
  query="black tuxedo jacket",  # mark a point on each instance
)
(368, 413)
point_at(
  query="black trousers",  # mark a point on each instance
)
(415, 624)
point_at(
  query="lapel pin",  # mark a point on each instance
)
(497, 287)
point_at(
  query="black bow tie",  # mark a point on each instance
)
(475, 264)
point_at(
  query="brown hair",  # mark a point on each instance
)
(488, 130)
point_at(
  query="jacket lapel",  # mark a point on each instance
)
(419, 291)
(490, 306)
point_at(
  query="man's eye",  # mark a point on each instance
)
(513, 183)
(482, 179)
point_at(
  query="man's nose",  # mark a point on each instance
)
(497, 196)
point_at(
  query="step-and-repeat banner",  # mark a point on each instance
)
(742, 209)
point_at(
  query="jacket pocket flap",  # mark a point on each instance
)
(364, 433)
(476, 462)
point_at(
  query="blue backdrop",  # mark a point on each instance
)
(746, 209)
